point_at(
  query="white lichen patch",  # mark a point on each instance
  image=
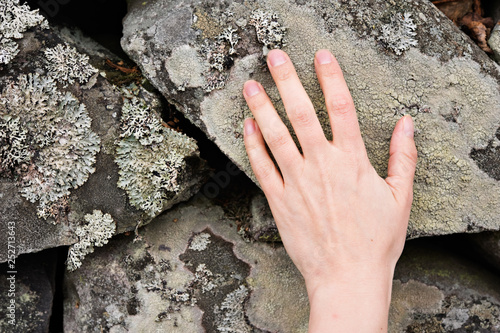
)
(150, 157)
(138, 121)
(67, 65)
(99, 228)
(399, 34)
(14, 147)
(200, 242)
(269, 30)
(60, 139)
(230, 316)
(14, 20)
(204, 278)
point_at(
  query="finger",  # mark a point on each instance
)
(402, 160)
(297, 104)
(338, 100)
(262, 165)
(275, 133)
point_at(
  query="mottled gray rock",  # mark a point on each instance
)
(66, 150)
(494, 42)
(398, 58)
(191, 271)
(437, 291)
(33, 284)
(262, 226)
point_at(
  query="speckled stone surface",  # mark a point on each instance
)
(190, 271)
(103, 102)
(199, 54)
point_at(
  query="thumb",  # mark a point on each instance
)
(402, 160)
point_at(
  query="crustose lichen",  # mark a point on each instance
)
(150, 157)
(98, 230)
(49, 131)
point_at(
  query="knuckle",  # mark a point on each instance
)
(264, 169)
(342, 105)
(331, 71)
(275, 139)
(283, 72)
(407, 161)
(302, 114)
(252, 146)
(257, 102)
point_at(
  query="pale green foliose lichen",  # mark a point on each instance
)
(51, 130)
(67, 65)
(150, 157)
(230, 316)
(14, 147)
(99, 228)
(399, 34)
(269, 30)
(14, 20)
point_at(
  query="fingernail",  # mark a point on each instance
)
(249, 126)
(324, 57)
(408, 126)
(252, 88)
(276, 58)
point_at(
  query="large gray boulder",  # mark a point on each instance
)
(398, 58)
(191, 271)
(72, 143)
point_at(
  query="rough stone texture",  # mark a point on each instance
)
(187, 265)
(191, 261)
(34, 290)
(445, 82)
(103, 102)
(494, 42)
(437, 291)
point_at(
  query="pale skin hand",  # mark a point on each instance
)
(343, 226)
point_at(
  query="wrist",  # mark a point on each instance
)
(355, 299)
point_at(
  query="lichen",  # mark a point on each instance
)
(52, 129)
(150, 157)
(269, 31)
(67, 65)
(219, 55)
(14, 20)
(96, 232)
(14, 148)
(399, 34)
(230, 316)
(200, 242)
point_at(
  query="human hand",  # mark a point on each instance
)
(343, 226)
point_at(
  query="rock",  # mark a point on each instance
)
(191, 271)
(262, 226)
(77, 136)
(435, 290)
(494, 42)
(199, 54)
(33, 284)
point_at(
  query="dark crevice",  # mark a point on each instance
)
(488, 159)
